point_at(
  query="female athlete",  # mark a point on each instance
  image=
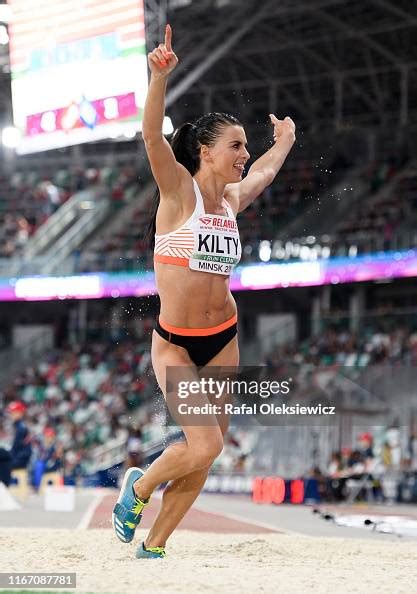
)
(197, 246)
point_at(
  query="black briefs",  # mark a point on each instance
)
(202, 348)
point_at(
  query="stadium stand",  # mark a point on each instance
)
(29, 198)
(377, 212)
(99, 395)
(348, 189)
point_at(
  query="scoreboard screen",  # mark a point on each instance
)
(79, 70)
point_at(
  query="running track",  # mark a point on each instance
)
(195, 519)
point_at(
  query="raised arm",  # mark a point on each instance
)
(262, 173)
(165, 169)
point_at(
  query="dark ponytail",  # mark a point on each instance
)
(186, 147)
(186, 143)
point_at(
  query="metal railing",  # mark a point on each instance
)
(60, 235)
(74, 237)
(115, 452)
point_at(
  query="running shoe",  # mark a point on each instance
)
(150, 552)
(127, 513)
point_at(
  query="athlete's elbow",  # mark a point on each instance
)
(261, 177)
(268, 176)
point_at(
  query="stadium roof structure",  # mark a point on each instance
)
(337, 63)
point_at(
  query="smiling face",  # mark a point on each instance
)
(228, 155)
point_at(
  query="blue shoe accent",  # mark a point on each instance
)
(150, 553)
(127, 513)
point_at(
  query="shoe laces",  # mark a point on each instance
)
(138, 506)
(158, 550)
(137, 510)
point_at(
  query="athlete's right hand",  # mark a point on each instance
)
(162, 59)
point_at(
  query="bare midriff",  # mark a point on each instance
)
(192, 299)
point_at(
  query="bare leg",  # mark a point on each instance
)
(181, 493)
(177, 499)
(179, 460)
(203, 443)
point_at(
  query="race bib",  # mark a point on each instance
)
(217, 245)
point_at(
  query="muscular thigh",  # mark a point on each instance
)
(167, 355)
(223, 364)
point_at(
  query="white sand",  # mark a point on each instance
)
(202, 562)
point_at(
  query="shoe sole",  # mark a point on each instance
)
(122, 488)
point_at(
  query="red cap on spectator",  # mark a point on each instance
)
(49, 432)
(365, 437)
(16, 406)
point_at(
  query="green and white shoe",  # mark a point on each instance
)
(127, 513)
(150, 552)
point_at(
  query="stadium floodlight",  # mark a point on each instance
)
(167, 127)
(5, 13)
(353, 251)
(4, 36)
(10, 137)
(129, 134)
(265, 251)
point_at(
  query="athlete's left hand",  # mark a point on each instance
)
(283, 129)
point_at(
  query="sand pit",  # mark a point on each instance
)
(203, 562)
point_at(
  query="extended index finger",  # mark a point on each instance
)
(168, 37)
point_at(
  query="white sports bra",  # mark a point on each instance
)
(205, 242)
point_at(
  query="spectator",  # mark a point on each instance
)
(365, 448)
(19, 455)
(49, 458)
(412, 452)
(336, 482)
